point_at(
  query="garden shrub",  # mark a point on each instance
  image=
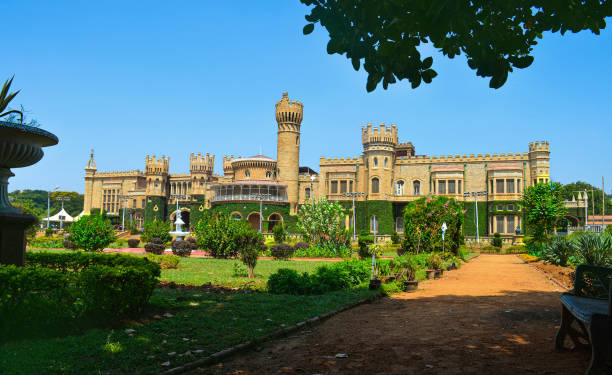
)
(558, 251)
(279, 233)
(434, 261)
(401, 251)
(67, 244)
(166, 261)
(324, 250)
(423, 220)
(515, 249)
(55, 289)
(156, 246)
(218, 234)
(251, 244)
(489, 248)
(239, 270)
(157, 229)
(497, 240)
(364, 240)
(281, 251)
(395, 238)
(322, 222)
(91, 233)
(133, 243)
(403, 268)
(48, 232)
(47, 243)
(337, 276)
(301, 245)
(183, 248)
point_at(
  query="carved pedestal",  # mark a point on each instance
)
(12, 237)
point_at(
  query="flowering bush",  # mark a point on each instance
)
(92, 233)
(423, 220)
(322, 222)
(217, 233)
(157, 228)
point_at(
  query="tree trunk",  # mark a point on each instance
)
(251, 272)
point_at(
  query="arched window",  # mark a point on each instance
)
(399, 188)
(375, 161)
(386, 159)
(268, 174)
(375, 184)
(201, 181)
(247, 173)
(307, 193)
(416, 185)
(373, 224)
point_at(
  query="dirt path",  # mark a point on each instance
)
(496, 315)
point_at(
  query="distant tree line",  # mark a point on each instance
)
(35, 201)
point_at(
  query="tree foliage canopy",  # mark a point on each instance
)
(594, 193)
(543, 205)
(322, 222)
(496, 36)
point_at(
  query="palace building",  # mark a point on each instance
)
(387, 175)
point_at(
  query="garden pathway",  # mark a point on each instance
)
(495, 315)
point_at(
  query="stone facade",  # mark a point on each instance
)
(388, 175)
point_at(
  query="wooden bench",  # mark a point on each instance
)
(589, 305)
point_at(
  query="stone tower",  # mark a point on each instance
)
(289, 118)
(90, 173)
(539, 162)
(379, 148)
(201, 168)
(157, 175)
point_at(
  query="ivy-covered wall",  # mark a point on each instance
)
(469, 220)
(156, 208)
(197, 209)
(383, 210)
(268, 209)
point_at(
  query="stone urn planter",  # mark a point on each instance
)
(20, 146)
(410, 285)
(430, 274)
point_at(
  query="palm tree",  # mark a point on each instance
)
(5, 99)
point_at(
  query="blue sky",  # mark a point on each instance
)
(135, 78)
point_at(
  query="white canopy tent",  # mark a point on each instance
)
(60, 217)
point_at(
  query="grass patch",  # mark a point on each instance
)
(197, 271)
(203, 323)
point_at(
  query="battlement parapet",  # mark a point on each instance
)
(379, 134)
(157, 165)
(347, 160)
(289, 111)
(539, 146)
(463, 158)
(201, 163)
(135, 172)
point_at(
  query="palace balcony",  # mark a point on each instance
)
(250, 191)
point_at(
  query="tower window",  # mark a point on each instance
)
(400, 187)
(375, 161)
(297, 140)
(307, 193)
(386, 159)
(247, 173)
(375, 187)
(268, 174)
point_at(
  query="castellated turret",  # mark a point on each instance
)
(228, 170)
(201, 168)
(289, 114)
(539, 162)
(156, 170)
(379, 149)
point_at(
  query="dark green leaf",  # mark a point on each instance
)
(308, 28)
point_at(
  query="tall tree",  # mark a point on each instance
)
(495, 35)
(543, 205)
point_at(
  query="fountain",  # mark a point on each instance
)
(180, 235)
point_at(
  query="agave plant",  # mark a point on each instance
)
(595, 249)
(5, 99)
(558, 251)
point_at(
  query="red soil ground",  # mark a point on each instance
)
(495, 315)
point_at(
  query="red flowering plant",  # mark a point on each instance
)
(219, 234)
(91, 233)
(423, 220)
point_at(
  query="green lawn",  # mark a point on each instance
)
(203, 323)
(197, 271)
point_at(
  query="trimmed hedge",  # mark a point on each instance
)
(55, 291)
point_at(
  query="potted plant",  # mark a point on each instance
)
(403, 268)
(20, 146)
(434, 262)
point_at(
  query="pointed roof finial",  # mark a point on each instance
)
(91, 164)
